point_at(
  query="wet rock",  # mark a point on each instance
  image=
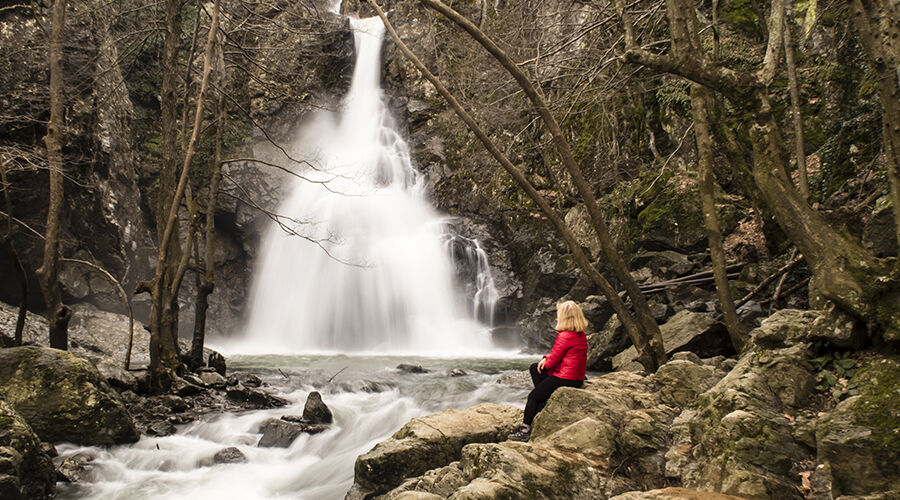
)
(686, 331)
(428, 442)
(171, 404)
(245, 379)
(403, 367)
(673, 494)
(183, 387)
(193, 379)
(72, 469)
(230, 455)
(315, 410)
(783, 328)
(213, 380)
(254, 398)
(282, 432)
(456, 372)
(63, 397)
(161, 428)
(682, 381)
(217, 362)
(26, 472)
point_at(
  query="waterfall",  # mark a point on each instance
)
(359, 264)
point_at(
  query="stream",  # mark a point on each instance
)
(370, 400)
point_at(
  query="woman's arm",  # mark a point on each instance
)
(560, 347)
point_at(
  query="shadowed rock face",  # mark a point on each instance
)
(26, 472)
(63, 397)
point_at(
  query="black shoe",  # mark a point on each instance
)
(521, 434)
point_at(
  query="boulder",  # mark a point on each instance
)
(63, 397)
(741, 439)
(281, 432)
(456, 372)
(230, 455)
(217, 362)
(837, 328)
(858, 442)
(785, 327)
(673, 494)
(254, 397)
(604, 343)
(26, 472)
(403, 367)
(72, 469)
(428, 442)
(316, 411)
(680, 382)
(213, 380)
(686, 331)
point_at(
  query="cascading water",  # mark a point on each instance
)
(362, 266)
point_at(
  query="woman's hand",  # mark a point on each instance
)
(541, 364)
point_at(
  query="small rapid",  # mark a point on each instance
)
(369, 397)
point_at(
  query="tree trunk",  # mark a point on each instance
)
(799, 153)
(642, 310)
(58, 315)
(164, 317)
(10, 250)
(208, 283)
(878, 25)
(650, 353)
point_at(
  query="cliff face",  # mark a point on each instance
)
(628, 128)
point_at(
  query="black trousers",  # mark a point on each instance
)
(544, 385)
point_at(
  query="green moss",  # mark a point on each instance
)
(879, 385)
(742, 16)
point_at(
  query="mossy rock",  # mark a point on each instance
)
(26, 472)
(860, 439)
(63, 397)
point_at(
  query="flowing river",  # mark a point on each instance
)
(357, 279)
(370, 400)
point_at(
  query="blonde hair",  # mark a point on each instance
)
(569, 317)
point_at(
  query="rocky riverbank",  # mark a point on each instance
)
(770, 423)
(86, 397)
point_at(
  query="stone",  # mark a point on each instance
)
(26, 472)
(673, 494)
(456, 372)
(254, 397)
(428, 442)
(217, 362)
(230, 455)
(281, 432)
(837, 328)
(686, 356)
(681, 381)
(741, 440)
(315, 410)
(785, 327)
(73, 468)
(63, 397)
(184, 387)
(213, 380)
(161, 428)
(686, 331)
(879, 235)
(859, 442)
(403, 367)
(605, 343)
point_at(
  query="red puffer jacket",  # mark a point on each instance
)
(568, 358)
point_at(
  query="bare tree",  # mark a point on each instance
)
(842, 270)
(58, 315)
(7, 243)
(649, 327)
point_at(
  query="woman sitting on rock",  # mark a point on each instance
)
(564, 366)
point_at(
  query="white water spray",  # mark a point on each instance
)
(366, 269)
